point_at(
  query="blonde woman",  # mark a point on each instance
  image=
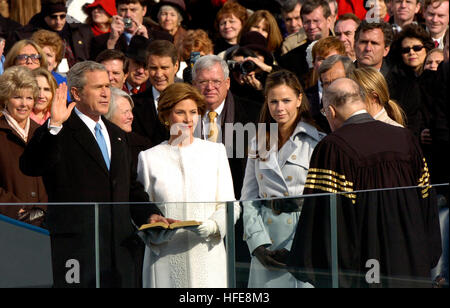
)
(26, 53)
(379, 104)
(18, 92)
(47, 88)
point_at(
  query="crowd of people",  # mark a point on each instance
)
(134, 104)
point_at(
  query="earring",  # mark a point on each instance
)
(167, 123)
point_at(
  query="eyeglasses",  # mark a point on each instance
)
(204, 83)
(416, 48)
(62, 16)
(33, 57)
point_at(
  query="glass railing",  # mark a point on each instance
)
(379, 238)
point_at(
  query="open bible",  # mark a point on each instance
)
(175, 225)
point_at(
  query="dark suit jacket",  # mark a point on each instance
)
(80, 36)
(239, 110)
(74, 171)
(295, 61)
(146, 122)
(315, 105)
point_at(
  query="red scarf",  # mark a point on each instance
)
(96, 30)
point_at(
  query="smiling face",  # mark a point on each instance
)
(45, 95)
(162, 71)
(412, 58)
(229, 28)
(436, 18)
(316, 25)
(93, 99)
(283, 104)
(123, 115)
(20, 106)
(184, 117)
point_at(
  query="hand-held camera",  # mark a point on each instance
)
(128, 23)
(242, 67)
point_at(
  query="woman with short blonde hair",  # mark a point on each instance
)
(18, 92)
(379, 104)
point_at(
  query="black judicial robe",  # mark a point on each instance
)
(398, 228)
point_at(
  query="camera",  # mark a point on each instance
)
(128, 23)
(242, 67)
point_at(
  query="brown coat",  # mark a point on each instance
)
(15, 187)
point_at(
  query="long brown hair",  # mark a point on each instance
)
(289, 79)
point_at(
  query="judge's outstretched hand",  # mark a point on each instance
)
(60, 112)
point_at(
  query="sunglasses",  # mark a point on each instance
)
(33, 57)
(62, 16)
(416, 48)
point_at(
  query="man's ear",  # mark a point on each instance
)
(75, 94)
(417, 7)
(386, 51)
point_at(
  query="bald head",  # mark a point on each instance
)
(341, 100)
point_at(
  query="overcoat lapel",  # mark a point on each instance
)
(86, 140)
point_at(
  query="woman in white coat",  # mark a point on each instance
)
(277, 168)
(186, 169)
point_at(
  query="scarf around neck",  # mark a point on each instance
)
(23, 133)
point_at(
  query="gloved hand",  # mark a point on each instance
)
(267, 258)
(207, 228)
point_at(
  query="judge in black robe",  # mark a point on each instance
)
(397, 228)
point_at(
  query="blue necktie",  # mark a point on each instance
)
(102, 144)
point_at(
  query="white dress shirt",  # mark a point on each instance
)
(218, 120)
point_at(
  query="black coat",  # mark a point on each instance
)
(7, 26)
(78, 35)
(315, 105)
(295, 61)
(74, 171)
(407, 90)
(146, 122)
